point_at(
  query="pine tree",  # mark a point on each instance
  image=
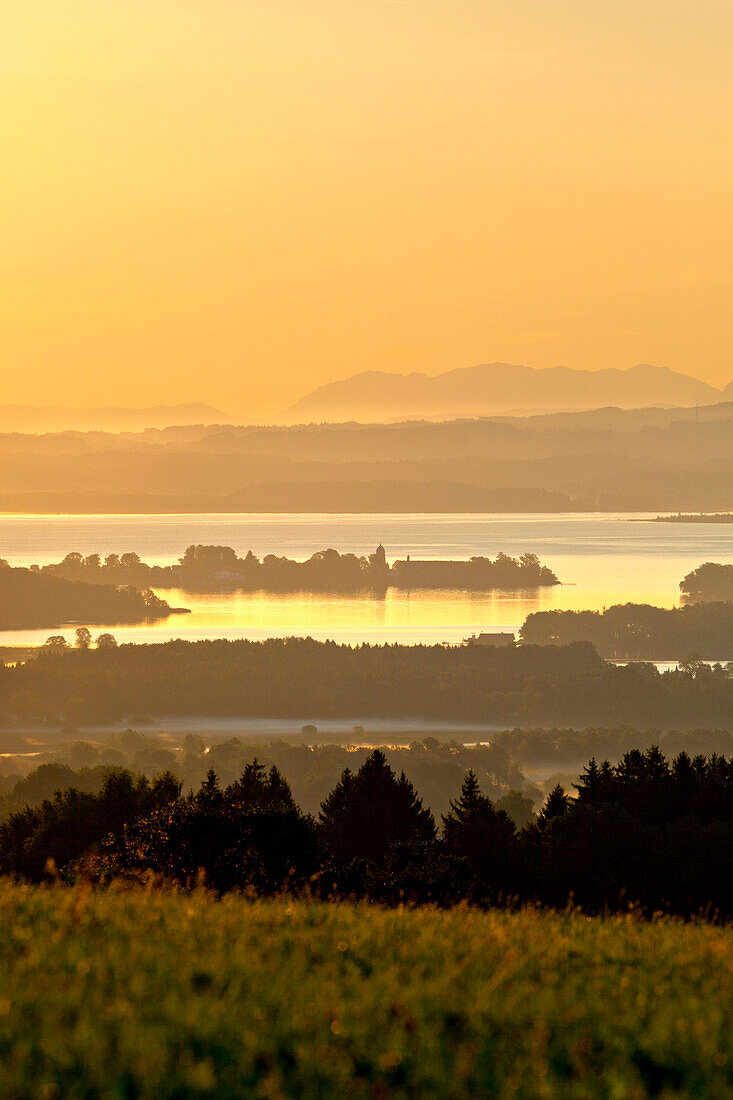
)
(483, 836)
(590, 785)
(248, 790)
(258, 790)
(278, 795)
(471, 806)
(368, 813)
(209, 794)
(557, 805)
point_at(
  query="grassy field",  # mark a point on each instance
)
(169, 995)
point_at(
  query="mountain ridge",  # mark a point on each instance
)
(487, 389)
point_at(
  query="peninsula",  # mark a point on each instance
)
(696, 517)
(30, 598)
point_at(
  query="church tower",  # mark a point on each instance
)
(378, 562)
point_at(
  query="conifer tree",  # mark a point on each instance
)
(483, 836)
(557, 805)
(258, 790)
(209, 794)
(369, 813)
(590, 784)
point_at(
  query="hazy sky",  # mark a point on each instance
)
(237, 200)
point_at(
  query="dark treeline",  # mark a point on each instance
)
(710, 581)
(33, 599)
(207, 568)
(583, 461)
(307, 680)
(640, 632)
(436, 767)
(646, 832)
(696, 517)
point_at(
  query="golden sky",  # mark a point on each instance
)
(237, 200)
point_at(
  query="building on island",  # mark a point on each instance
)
(490, 639)
(433, 574)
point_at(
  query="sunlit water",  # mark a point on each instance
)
(601, 558)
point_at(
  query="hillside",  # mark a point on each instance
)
(491, 388)
(113, 994)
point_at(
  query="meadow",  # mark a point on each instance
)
(162, 994)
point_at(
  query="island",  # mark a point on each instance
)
(219, 569)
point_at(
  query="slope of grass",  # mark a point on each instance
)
(171, 995)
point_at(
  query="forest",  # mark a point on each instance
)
(307, 680)
(29, 598)
(647, 831)
(640, 632)
(218, 568)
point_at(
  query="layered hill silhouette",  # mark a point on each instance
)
(651, 460)
(491, 388)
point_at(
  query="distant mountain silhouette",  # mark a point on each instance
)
(31, 418)
(491, 388)
(728, 392)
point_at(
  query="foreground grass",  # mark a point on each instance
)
(171, 995)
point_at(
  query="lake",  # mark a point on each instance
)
(601, 558)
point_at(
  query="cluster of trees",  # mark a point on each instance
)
(43, 782)
(56, 643)
(643, 832)
(308, 680)
(568, 748)
(710, 581)
(74, 821)
(640, 632)
(218, 568)
(31, 598)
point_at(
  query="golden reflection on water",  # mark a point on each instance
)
(396, 616)
(446, 615)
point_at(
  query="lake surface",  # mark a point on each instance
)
(601, 558)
